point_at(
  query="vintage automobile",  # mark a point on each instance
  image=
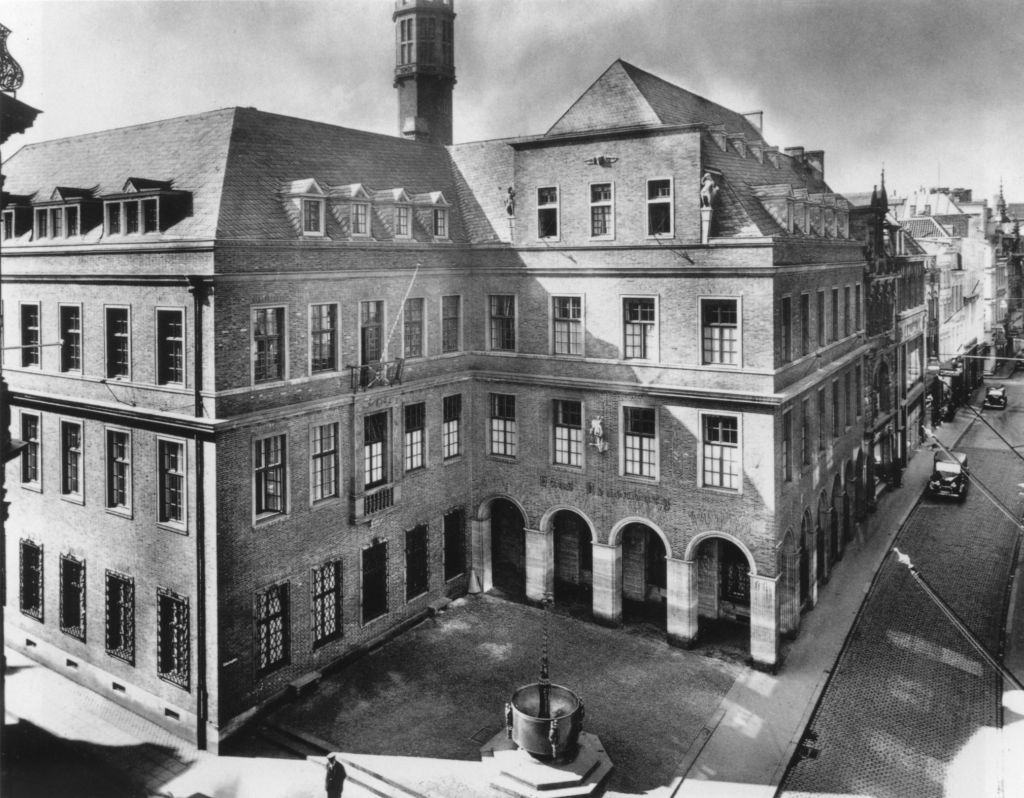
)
(949, 475)
(995, 397)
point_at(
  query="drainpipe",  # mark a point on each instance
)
(200, 287)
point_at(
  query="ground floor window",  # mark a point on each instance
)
(72, 596)
(272, 628)
(31, 578)
(172, 638)
(120, 617)
(375, 580)
(417, 564)
(454, 544)
(326, 602)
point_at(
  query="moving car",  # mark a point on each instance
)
(949, 475)
(995, 396)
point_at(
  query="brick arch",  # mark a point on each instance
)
(548, 517)
(694, 544)
(483, 510)
(614, 538)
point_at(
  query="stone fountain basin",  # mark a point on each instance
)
(532, 733)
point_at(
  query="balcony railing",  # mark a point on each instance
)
(378, 374)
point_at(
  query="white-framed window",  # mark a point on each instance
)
(503, 424)
(360, 219)
(70, 337)
(9, 226)
(51, 222)
(414, 444)
(118, 343)
(502, 312)
(32, 455)
(173, 649)
(371, 331)
(568, 432)
(170, 346)
(412, 327)
(119, 470)
(440, 223)
(323, 462)
(375, 449)
(406, 40)
(602, 210)
(403, 221)
(451, 323)
(132, 216)
(548, 221)
(640, 442)
(720, 334)
(451, 426)
(270, 487)
(171, 504)
(269, 344)
(312, 217)
(30, 341)
(567, 325)
(660, 207)
(323, 337)
(720, 451)
(639, 328)
(72, 447)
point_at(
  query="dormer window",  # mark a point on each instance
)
(440, 223)
(8, 225)
(360, 219)
(403, 221)
(312, 217)
(144, 206)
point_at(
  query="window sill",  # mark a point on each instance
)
(638, 479)
(371, 621)
(722, 491)
(417, 596)
(268, 519)
(120, 513)
(73, 498)
(503, 458)
(327, 501)
(179, 529)
(460, 575)
(35, 487)
(568, 469)
(455, 458)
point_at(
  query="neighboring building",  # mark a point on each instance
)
(312, 381)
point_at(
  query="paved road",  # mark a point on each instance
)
(911, 708)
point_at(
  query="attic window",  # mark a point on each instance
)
(312, 217)
(403, 219)
(132, 216)
(740, 145)
(440, 223)
(8, 225)
(360, 219)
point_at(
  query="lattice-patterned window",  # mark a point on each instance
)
(272, 628)
(171, 475)
(30, 335)
(119, 469)
(454, 544)
(70, 338)
(639, 321)
(375, 580)
(375, 450)
(451, 323)
(268, 344)
(451, 426)
(503, 424)
(327, 593)
(120, 616)
(170, 347)
(324, 461)
(567, 320)
(414, 443)
(412, 327)
(31, 456)
(118, 339)
(503, 322)
(30, 572)
(173, 645)
(720, 331)
(323, 338)
(720, 455)
(568, 418)
(71, 459)
(72, 596)
(640, 444)
(417, 563)
(269, 474)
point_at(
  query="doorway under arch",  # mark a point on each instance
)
(508, 548)
(643, 576)
(723, 596)
(573, 559)
(806, 547)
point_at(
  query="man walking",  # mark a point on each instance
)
(334, 782)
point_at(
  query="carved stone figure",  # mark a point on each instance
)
(708, 191)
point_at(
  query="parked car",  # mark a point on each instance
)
(949, 475)
(995, 397)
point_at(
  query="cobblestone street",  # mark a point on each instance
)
(912, 709)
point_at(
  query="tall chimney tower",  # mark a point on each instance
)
(425, 68)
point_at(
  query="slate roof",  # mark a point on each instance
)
(924, 227)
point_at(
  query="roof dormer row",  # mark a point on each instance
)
(803, 213)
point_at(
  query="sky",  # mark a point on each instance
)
(927, 90)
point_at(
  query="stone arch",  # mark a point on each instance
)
(570, 538)
(694, 544)
(548, 517)
(483, 510)
(508, 548)
(615, 538)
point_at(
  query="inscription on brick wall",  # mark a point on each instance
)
(651, 500)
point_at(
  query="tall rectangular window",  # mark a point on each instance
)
(640, 449)
(567, 318)
(568, 444)
(70, 338)
(837, 419)
(440, 223)
(324, 461)
(360, 219)
(119, 594)
(846, 310)
(269, 475)
(721, 461)
(786, 322)
(414, 444)
(30, 571)
(503, 424)
(451, 323)
(403, 219)
(856, 308)
(113, 218)
(417, 564)
(451, 426)
(503, 322)
(375, 580)
(72, 596)
(171, 475)
(805, 324)
(835, 314)
(412, 327)
(72, 217)
(57, 222)
(659, 207)
(71, 459)
(326, 602)
(858, 390)
(638, 321)
(405, 41)
(118, 344)
(720, 331)
(454, 544)
(371, 327)
(119, 470)
(150, 215)
(42, 220)
(30, 335)
(312, 216)
(787, 446)
(601, 211)
(31, 455)
(170, 347)
(821, 418)
(547, 212)
(323, 338)
(272, 628)
(821, 318)
(848, 394)
(268, 344)
(375, 450)
(805, 432)
(173, 646)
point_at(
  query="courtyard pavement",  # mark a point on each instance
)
(416, 711)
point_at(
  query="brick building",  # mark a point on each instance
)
(286, 386)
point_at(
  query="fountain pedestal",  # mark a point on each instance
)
(518, 773)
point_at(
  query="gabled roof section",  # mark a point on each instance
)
(135, 184)
(925, 227)
(353, 191)
(431, 198)
(68, 194)
(308, 187)
(625, 96)
(391, 195)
